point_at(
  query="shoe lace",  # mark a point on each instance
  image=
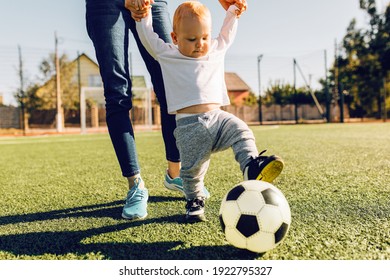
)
(194, 203)
(134, 189)
(259, 159)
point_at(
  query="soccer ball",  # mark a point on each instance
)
(255, 215)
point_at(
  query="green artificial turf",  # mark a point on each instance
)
(62, 196)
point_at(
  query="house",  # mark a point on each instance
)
(84, 72)
(90, 77)
(81, 72)
(82, 77)
(89, 71)
(237, 89)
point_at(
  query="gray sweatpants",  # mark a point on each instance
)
(200, 135)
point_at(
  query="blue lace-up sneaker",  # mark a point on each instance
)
(176, 184)
(136, 202)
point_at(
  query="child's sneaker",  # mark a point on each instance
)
(264, 168)
(136, 202)
(176, 184)
(195, 210)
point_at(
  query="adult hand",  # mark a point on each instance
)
(138, 8)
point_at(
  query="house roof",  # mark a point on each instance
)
(235, 83)
(87, 57)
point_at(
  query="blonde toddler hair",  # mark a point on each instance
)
(190, 9)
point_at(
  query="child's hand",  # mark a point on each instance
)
(138, 8)
(241, 5)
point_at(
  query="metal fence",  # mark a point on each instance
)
(10, 117)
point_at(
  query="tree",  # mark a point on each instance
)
(384, 31)
(278, 93)
(363, 62)
(348, 76)
(282, 94)
(69, 85)
(373, 63)
(43, 92)
(251, 100)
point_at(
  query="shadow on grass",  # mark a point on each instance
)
(111, 210)
(71, 242)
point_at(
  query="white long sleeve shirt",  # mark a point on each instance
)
(191, 81)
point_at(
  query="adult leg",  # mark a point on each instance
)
(162, 26)
(107, 25)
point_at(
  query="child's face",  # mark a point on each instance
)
(192, 36)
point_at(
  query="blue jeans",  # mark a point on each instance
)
(108, 25)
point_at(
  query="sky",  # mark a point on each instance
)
(279, 30)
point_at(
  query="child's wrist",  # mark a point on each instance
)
(233, 8)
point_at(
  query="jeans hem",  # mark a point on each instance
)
(127, 175)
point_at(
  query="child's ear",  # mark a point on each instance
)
(174, 37)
